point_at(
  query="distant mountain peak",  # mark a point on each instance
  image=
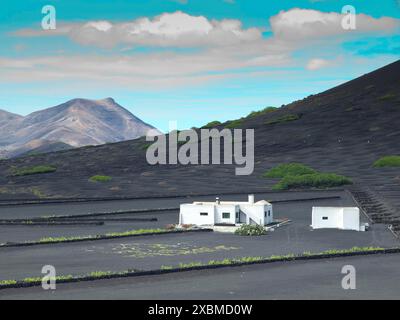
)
(77, 122)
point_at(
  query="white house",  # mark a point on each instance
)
(344, 218)
(226, 213)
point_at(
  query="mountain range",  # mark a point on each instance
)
(76, 123)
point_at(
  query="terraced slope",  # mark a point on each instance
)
(343, 130)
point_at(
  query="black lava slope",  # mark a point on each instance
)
(343, 130)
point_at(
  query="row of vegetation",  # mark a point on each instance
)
(49, 240)
(25, 171)
(190, 265)
(65, 278)
(297, 175)
(388, 161)
(233, 124)
(291, 256)
(41, 169)
(108, 235)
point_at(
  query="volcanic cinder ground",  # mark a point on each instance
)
(343, 130)
(311, 279)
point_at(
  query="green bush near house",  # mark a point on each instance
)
(283, 119)
(388, 161)
(100, 178)
(33, 170)
(250, 230)
(285, 169)
(314, 180)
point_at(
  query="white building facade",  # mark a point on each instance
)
(344, 218)
(226, 213)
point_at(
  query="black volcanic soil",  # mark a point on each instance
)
(343, 130)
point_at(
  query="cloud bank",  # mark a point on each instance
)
(218, 48)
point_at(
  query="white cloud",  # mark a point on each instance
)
(302, 24)
(176, 29)
(315, 64)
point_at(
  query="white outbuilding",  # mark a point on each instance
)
(344, 218)
(226, 213)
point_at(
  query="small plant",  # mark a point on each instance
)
(388, 161)
(100, 178)
(292, 169)
(33, 170)
(285, 118)
(250, 230)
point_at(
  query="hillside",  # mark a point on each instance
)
(343, 130)
(76, 123)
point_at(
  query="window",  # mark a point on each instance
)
(226, 215)
(204, 213)
(268, 213)
(324, 218)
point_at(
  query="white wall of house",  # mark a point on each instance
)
(209, 213)
(225, 213)
(347, 218)
(197, 214)
(351, 219)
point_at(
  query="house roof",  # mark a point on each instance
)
(261, 202)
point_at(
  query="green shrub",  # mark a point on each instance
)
(314, 180)
(285, 169)
(263, 111)
(212, 124)
(99, 178)
(250, 230)
(285, 118)
(33, 170)
(389, 96)
(233, 124)
(388, 161)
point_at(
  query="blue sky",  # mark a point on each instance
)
(188, 61)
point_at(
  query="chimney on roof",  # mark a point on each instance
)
(251, 198)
